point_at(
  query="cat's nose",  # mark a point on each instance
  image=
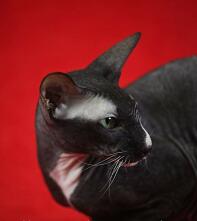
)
(148, 144)
(147, 150)
(143, 151)
(147, 139)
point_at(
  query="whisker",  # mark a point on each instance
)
(105, 161)
(113, 174)
(101, 164)
(110, 179)
(105, 187)
(110, 156)
(111, 171)
(90, 164)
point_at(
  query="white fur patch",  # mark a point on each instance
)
(90, 108)
(148, 140)
(67, 173)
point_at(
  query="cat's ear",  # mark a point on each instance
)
(110, 63)
(57, 88)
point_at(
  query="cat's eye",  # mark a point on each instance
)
(109, 122)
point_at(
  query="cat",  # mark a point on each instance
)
(121, 154)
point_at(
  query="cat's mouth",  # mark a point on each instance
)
(132, 164)
(121, 158)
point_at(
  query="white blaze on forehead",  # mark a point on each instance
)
(89, 108)
(148, 140)
(67, 173)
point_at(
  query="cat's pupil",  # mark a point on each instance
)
(108, 122)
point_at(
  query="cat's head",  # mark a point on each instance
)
(89, 113)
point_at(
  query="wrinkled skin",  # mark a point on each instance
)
(163, 187)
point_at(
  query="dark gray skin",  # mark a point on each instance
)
(160, 189)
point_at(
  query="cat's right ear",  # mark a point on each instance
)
(56, 89)
(110, 63)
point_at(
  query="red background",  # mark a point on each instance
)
(38, 37)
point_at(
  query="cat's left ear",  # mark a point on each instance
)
(56, 89)
(110, 63)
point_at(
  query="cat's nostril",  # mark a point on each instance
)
(147, 150)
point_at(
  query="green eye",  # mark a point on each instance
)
(109, 122)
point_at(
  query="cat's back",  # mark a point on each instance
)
(176, 75)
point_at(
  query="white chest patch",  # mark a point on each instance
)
(67, 173)
(89, 108)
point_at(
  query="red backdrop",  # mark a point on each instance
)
(38, 37)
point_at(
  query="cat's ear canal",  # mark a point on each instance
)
(57, 89)
(110, 63)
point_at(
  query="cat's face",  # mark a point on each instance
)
(90, 114)
(98, 123)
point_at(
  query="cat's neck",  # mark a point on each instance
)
(67, 172)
